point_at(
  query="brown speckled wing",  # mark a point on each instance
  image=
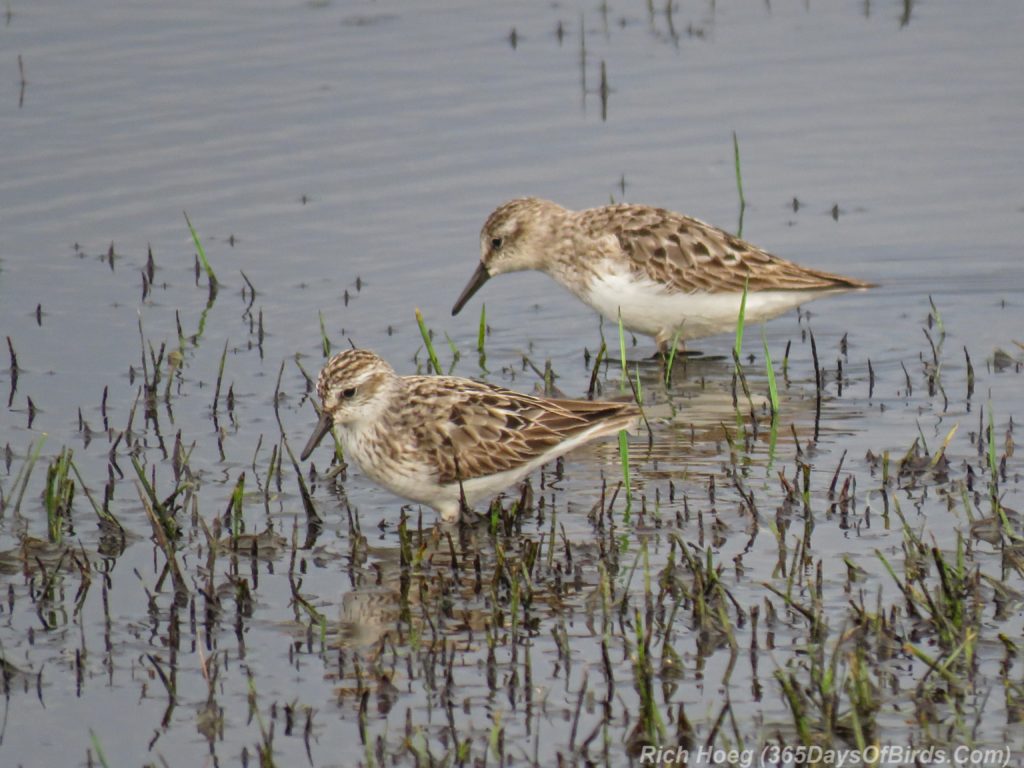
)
(690, 256)
(490, 429)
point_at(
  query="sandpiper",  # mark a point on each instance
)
(669, 275)
(445, 441)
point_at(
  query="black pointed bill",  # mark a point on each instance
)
(322, 428)
(479, 277)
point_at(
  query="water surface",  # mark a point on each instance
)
(343, 157)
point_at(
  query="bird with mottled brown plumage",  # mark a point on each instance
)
(446, 441)
(669, 276)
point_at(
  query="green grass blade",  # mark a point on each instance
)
(325, 343)
(740, 320)
(235, 505)
(482, 333)
(938, 317)
(672, 355)
(455, 353)
(773, 438)
(202, 254)
(773, 389)
(95, 741)
(426, 341)
(739, 181)
(993, 467)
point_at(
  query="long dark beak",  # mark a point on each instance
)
(322, 428)
(479, 277)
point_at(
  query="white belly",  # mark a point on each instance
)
(648, 308)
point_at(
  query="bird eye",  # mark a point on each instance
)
(495, 243)
(349, 393)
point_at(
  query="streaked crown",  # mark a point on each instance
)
(351, 381)
(514, 236)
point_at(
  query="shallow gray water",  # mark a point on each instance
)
(327, 149)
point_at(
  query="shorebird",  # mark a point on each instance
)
(669, 276)
(446, 441)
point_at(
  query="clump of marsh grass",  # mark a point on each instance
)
(58, 495)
